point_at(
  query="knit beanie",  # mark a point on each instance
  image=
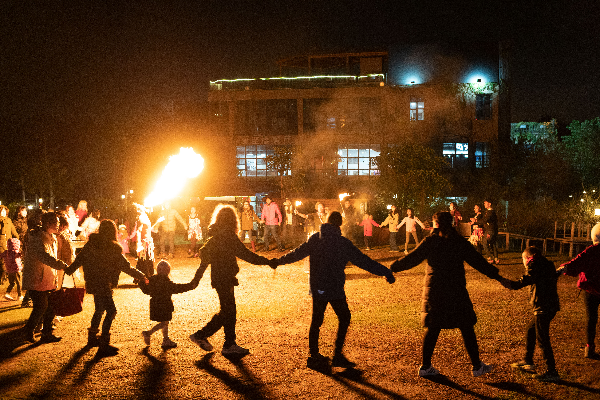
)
(163, 268)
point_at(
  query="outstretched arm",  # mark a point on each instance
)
(363, 261)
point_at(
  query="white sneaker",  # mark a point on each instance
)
(428, 372)
(202, 342)
(146, 335)
(20, 298)
(483, 369)
(405, 251)
(234, 349)
(8, 297)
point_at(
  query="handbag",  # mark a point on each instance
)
(67, 301)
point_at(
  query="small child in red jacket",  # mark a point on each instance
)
(367, 224)
(14, 266)
(160, 288)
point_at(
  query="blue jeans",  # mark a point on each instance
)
(103, 303)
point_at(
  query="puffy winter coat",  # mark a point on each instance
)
(41, 261)
(445, 300)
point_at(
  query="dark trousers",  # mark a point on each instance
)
(167, 237)
(539, 330)
(289, 235)
(368, 240)
(488, 244)
(271, 230)
(340, 307)
(592, 303)
(393, 245)
(468, 334)
(42, 312)
(14, 279)
(226, 318)
(103, 303)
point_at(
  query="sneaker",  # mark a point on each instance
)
(339, 360)
(483, 369)
(547, 376)
(405, 251)
(317, 362)
(202, 342)
(523, 366)
(50, 339)
(168, 344)
(8, 297)
(146, 335)
(368, 249)
(234, 350)
(430, 371)
(496, 261)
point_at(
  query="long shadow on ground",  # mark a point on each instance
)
(153, 376)
(249, 390)
(50, 388)
(445, 381)
(353, 379)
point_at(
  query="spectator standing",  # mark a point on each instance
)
(194, 232)
(168, 225)
(476, 228)
(314, 220)
(7, 231)
(456, 215)
(271, 217)
(81, 212)
(587, 265)
(367, 223)
(248, 217)
(410, 222)
(445, 302)
(490, 233)
(12, 258)
(392, 221)
(40, 276)
(20, 222)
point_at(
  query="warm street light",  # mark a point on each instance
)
(597, 211)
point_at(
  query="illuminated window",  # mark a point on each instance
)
(358, 160)
(251, 160)
(482, 157)
(457, 154)
(417, 112)
(483, 106)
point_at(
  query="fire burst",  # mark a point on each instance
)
(181, 167)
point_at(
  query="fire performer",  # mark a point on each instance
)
(170, 216)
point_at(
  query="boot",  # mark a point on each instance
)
(253, 246)
(105, 349)
(93, 340)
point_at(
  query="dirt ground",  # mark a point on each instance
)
(273, 319)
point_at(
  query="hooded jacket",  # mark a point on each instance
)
(41, 262)
(221, 251)
(12, 256)
(587, 265)
(102, 262)
(329, 253)
(161, 288)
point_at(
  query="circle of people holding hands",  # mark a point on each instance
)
(445, 301)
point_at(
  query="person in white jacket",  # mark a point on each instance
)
(40, 276)
(411, 228)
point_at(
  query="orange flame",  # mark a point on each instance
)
(181, 167)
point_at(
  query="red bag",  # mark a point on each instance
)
(67, 301)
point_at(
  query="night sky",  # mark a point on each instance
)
(96, 75)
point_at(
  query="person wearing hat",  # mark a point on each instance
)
(160, 288)
(271, 217)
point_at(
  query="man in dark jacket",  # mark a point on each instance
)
(540, 276)
(490, 232)
(329, 253)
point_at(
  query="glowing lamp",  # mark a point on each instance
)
(389, 206)
(123, 196)
(298, 203)
(41, 201)
(131, 191)
(597, 211)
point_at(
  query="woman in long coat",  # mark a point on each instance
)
(446, 302)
